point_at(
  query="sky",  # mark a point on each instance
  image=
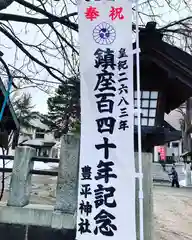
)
(39, 98)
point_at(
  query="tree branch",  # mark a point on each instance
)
(59, 35)
(63, 21)
(20, 46)
(175, 23)
(39, 21)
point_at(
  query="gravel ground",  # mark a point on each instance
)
(173, 213)
(43, 189)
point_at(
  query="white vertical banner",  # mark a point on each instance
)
(106, 194)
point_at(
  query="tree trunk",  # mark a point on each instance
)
(187, 134)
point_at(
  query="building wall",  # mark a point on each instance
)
(172, 148)
(38, 131)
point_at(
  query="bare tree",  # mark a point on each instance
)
(185, 124)
(51, 53)
(46, 46)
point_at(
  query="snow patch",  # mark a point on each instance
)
(37, 165)
(41, 166)
(182, 183)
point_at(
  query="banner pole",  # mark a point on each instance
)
(139, 127)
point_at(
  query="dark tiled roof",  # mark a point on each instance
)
(174, 64)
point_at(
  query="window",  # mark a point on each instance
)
(148, 107)
(175, 144)
(39, 135)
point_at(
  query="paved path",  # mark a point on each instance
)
(159, 174)
(173, 213)
(172, 210)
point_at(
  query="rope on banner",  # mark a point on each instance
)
(140, 173)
